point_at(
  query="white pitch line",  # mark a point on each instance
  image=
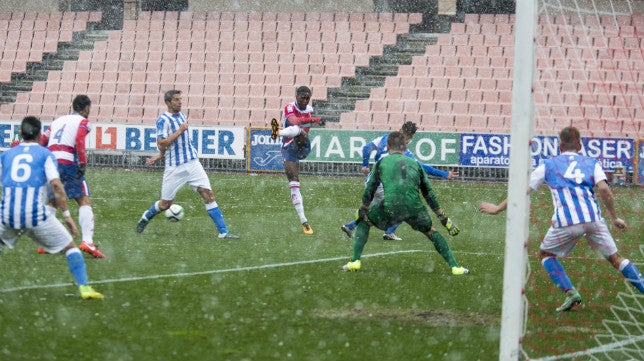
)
(189, 274)
(598, 349)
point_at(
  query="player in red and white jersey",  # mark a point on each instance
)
(66, 139)
(296, 145)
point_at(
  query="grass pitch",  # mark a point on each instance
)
(176, 292)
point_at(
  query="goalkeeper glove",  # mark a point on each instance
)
(452, 229)
(361, 214)
(81, 170)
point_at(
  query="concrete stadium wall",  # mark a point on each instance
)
(28, 5)
(283, 5)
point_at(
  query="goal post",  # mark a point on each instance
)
(518, 210)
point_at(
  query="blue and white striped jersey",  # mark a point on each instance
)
(181, 150)
(25, 170)
(571, 178)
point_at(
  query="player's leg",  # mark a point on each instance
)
(390, 233)
(198, 180)
(291, 168)
(86, 222)
(214, 212)
(172, 180)
(376, 217)
(348, 228)
(421, 222)
(53, 237)
(600, 239)
(77, 189)
(290, 132)
(628, 270)
(559, 242)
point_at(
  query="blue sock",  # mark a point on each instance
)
(76, 265)
(632, 274)
(153, 211)
(557, 273)
(215, 214)
(351, 225)
(392, 229)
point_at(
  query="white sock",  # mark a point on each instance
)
(86, 221)
(296, 197)
(290, 132)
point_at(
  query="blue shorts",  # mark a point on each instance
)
(74, 187)
(294, 154)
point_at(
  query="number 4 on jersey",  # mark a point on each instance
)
(574, 173)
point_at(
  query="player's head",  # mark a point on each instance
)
(30, 128)
(396, 142)
(82, 104)
(172, 99)
(569, 139)
(408, 130)
(302, 96)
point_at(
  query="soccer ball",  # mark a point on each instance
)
(174, 213)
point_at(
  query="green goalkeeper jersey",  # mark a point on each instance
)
(403, 180)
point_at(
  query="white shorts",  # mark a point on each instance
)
(51, 235)
(175, 177)
(561, 241)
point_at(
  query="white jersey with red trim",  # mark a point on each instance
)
(291, 109)
(66, 138)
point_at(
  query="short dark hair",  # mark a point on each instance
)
(167, 97)
(569, 138)
(303, 89)
(81, 102)
(396, 142)
(30, 128)
(409, 128)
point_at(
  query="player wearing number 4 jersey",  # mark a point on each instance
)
(66, 139)
(571, 178)
(26, 171)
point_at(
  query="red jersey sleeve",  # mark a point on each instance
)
(81, 151)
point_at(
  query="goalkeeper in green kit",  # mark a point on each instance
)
(403, 180)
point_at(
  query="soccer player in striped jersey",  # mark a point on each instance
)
(26, 171)
(404, 182)
(181, 166)
(572, 179)
(66, 139)
(296, 145)
(379, 146)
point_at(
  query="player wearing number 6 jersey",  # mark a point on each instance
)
(27, 170)
(572, 178)
(66, 139)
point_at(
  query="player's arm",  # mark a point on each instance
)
(427, 193)
(366, 155)
(372, 185)
(606, 196)
(44, 137)
(164, 143)
(295, 120)
(491, 208)
(60, 197)
(81, 150)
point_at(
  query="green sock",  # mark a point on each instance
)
(360, 238)
(443, 249)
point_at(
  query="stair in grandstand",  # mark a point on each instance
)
(343, 99)
(38, 71)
